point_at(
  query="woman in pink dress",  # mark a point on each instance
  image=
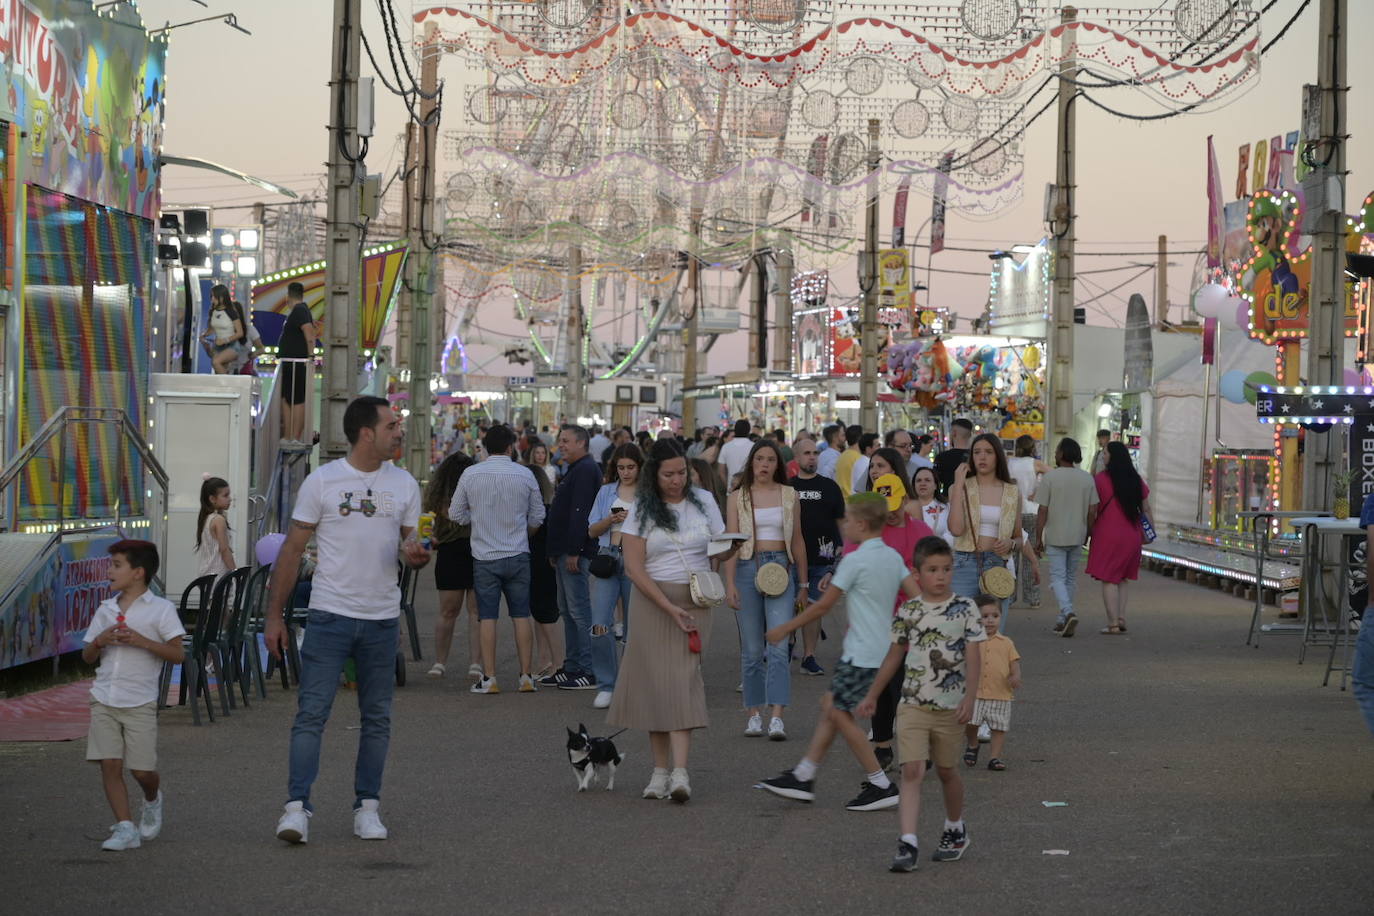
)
(1117, 536)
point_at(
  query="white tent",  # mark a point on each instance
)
(1174, 440)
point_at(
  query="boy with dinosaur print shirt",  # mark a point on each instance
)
(931, 636)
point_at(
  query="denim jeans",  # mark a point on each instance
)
(575, 606)
(767, 672)
(814, 575)
(493, 578)
(1362, 677)
(1063, 575)
(966, 573)
(330, 641)
(605, 593)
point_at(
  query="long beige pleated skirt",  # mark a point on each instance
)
(659, 687)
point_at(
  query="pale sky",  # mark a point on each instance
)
(259, 103)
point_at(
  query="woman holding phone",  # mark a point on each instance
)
(612, 504)
(664, 539)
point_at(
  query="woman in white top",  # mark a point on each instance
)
(764, 508)
(664, 539)
(227, 333)
(1026, 469)
(984, 516)
(214, 556)
(604, 523)
(927, 506)
(538, 457)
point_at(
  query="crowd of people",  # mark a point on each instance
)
(632, 541)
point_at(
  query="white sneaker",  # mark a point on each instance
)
(485, 685)
(475, 671)
(984, 734)
(755, 727)
(123, 835)
(739, 688)
(658, 785)
(776, 731)
(437, 670)
(527, 684)
(603, 699)
(150, 824)
(679, 789)
(367, 824)
(294, 824)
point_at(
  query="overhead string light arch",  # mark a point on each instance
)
(628, 134)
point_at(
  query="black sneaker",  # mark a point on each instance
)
(788, 785)
(905, 859)
(812, 667)
(1070, 624)
(872, 798)
(884, 755)
(553, 680)
(577, 682)
(952, 846)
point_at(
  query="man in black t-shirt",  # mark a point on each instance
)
(821, 506)
(948, 461)
(297, 342)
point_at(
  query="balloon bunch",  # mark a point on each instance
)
(1213, 300)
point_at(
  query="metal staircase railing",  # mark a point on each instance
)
(56, 427)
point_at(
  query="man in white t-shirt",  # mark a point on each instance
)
(362, 512)
(735, 453)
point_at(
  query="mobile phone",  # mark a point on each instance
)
(694, 642)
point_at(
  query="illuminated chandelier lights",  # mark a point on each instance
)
(867, 36)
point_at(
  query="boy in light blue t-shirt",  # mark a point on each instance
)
(868, 579)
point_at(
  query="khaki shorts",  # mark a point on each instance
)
(123, 733)
(928, 734)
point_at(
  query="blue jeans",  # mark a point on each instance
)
(1362, 677)
(605, 593)
(814, 575)
(493, 578)
(966, 572)
(767, 672)
(1063, 570)
(575, 606)
(330, 641)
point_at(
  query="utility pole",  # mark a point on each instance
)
(1326, 299)
(782, 306)
(1162, 283)
(342, 232)
(1062, 228)
(758, 324)
(575, 394)
(689, 333)
(868, 285)
(420, 274)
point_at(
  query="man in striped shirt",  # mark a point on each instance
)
(501, 501)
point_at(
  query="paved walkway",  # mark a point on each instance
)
(1201, 776)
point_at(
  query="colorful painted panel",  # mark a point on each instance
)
(89, 90)
(383, 267)
(85, 343)
(26, 619)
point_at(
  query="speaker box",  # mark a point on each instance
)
(197, 222)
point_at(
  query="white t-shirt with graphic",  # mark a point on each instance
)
(358, 536)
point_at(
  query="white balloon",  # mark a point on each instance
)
(1229, 313)
(1211, 300)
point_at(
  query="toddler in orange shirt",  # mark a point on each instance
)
(1000, 675)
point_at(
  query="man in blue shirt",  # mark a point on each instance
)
(1362, 675)
(570, 549)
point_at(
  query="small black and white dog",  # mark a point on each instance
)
(591, 756)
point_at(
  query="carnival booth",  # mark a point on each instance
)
(81, 122)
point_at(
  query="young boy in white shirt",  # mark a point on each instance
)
(131, 635)
(868, 579)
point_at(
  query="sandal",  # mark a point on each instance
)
(1111, 631)
(996, 764)
(1121, 625)
(971, 755)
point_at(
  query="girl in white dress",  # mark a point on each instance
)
(213, 553)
